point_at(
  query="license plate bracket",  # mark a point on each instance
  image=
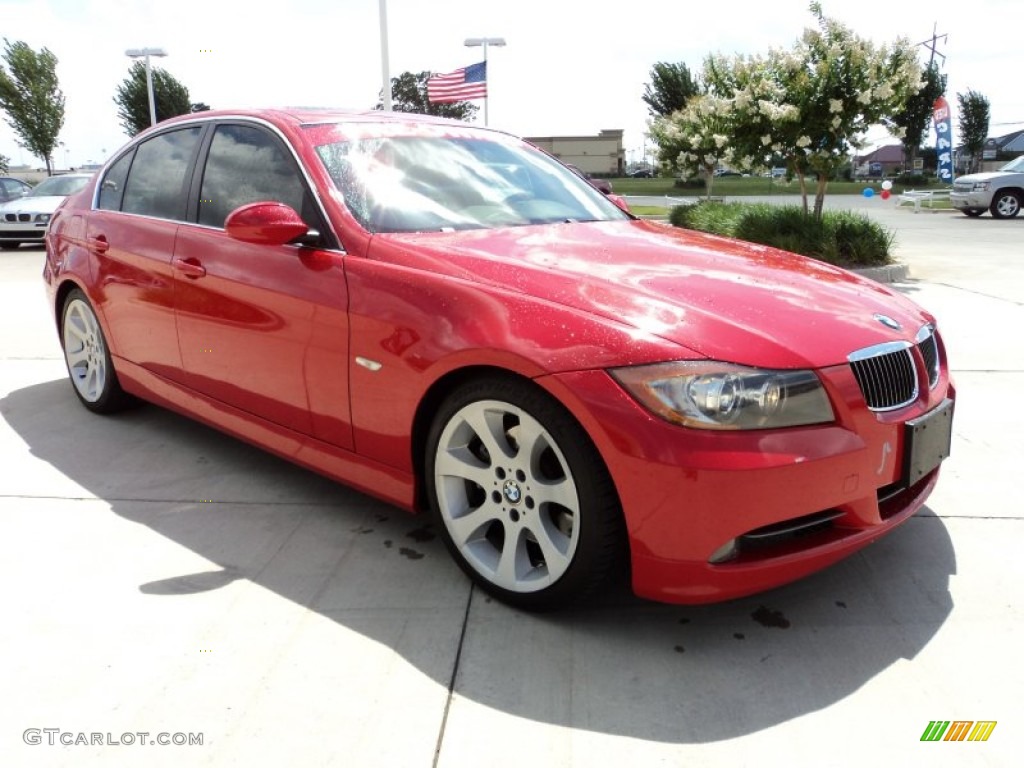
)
(926, 442)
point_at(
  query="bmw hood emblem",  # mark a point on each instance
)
(887, 321)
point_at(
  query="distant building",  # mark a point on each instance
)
(601, 155)
(996, 151)
(883, 161)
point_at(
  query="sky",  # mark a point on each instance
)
(570, 67)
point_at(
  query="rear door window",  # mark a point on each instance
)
(112, 188)
(157, 184)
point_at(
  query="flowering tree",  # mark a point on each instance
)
(695, 139)
(810, 105)
(846, 85)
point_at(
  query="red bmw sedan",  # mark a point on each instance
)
(447, 318)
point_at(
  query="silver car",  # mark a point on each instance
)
(999, 192)
(24, 220)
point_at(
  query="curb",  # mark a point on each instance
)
(890, 273)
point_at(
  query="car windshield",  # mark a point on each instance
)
(1017, 165)
(457, 181)
(59, 186)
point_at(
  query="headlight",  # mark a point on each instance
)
(713, 395)
(42, 218)
(980, 186)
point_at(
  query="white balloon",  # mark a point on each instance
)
(886, 184)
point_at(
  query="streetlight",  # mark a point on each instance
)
(139, 53)
(385, 76)
(472, 42)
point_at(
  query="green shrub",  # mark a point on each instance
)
(843, 238)
(911, 180)
(694, 182)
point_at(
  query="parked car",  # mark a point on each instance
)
(602, 185)
(719, 172)
(998, 192)
(447, 318)
(24, 220)
(643, 173)
(12, 188)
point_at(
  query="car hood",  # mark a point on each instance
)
(47, 204)
(721, 298)
(988, 176)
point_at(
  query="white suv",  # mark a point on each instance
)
(1001, 192)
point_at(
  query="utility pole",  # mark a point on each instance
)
(932, 43)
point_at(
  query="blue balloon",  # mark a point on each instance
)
(869, 192)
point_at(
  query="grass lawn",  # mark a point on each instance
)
(731, 186)
(648, 210)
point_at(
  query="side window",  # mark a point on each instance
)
(11, 189)
(112, 187)
(156, 182)
(247, 164)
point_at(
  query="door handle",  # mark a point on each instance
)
(191, 268)
(98, 244)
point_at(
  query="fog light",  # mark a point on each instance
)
(725, 552)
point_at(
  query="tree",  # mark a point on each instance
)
(4, 163)
(915, 118)
(132, 98)
(409, 94)
(31, 99)
(696, 139)
(809, 105)
(671, 88)
(974, 115)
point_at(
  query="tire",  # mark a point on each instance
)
(520, 495)
(1005, 204)
(973, 212)
(87, 357)
(9, 246)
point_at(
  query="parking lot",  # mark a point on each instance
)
(162, 578)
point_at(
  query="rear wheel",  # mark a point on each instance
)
(521, 496)
(1005, 204)
(88, 359)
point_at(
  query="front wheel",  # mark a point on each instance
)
(1005, 205)
(87, 357)
(522, 498)
(973, 212)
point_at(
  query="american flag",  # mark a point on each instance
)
(462, 84)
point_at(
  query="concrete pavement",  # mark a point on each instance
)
(163, 578)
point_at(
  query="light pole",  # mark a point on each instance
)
(472, 42)
(385, 75)
(140, 53)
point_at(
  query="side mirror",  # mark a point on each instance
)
(619, 201)
(265, 223)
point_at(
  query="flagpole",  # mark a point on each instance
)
(485, 41)
(487, 97)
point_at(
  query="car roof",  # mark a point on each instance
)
(320, 115)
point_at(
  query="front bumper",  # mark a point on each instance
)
(979, 201)
(713, 516)
(22, 231)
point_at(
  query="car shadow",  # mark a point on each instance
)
(624, 666)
